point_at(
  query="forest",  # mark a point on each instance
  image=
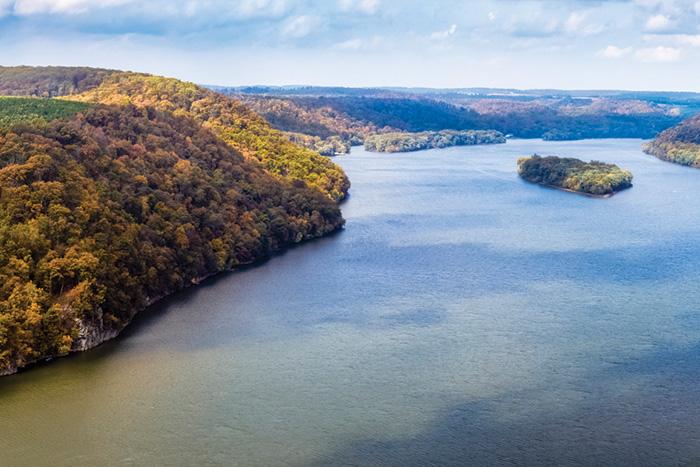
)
(310, 117)
(229, 119)
(51, 81)
(405, 142)
(16, 110)
(680, 144)
(592, 178)
(131, 191)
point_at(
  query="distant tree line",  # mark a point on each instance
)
(404, 142)
(352, 118)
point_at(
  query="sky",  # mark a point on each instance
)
(564, 44)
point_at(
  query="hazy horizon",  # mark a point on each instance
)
(447, 89)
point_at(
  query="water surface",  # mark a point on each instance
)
(462, 316)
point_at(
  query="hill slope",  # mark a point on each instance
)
(680, 144)
(17, 110)
(319, 120)
(107, 208)
(105, 212)
(228, 118)
(50, 81)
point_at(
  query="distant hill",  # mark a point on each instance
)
(329, 120)
(659, 97)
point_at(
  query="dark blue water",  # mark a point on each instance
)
(462, 317)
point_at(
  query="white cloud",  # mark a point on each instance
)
(360, 44)
(492, 16)
(300, 26)
(5, 7)
(674, 39)
(442, 35)
(687, 39)
(261, 7)
(658, 23)
(364, 6)
(614, 52)
(30, 7)
(188, 8)
(659, 54)
(535, 24)
(672, 7)
(577, 23)
(696, 8)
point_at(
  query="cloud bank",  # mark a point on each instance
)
(526, 43)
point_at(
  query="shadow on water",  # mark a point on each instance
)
(642, 413)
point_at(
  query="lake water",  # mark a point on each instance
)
(462, 317)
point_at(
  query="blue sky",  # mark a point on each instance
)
(591, 44)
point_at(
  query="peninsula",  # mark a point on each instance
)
(406, 142)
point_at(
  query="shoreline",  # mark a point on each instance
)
(569, 190)
(107, 335)
(432, 148)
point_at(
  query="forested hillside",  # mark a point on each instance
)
(312, 123)
(106, 207)
(16, 110)
(231, 120)
(680, 144)
(351, 117)
(49, 81)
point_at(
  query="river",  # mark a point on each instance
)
(463, 316)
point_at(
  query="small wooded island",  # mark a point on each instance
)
(406, 142)
(590, 178)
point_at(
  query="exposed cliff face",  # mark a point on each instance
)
(7, 370)
(92, 332)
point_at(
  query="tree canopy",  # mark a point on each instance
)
(229, 119)
(680, 144)
(594, 178)
(405, 142)
(131, 191)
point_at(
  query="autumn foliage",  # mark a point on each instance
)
(108, 207)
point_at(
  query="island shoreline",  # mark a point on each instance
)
(568, 190)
